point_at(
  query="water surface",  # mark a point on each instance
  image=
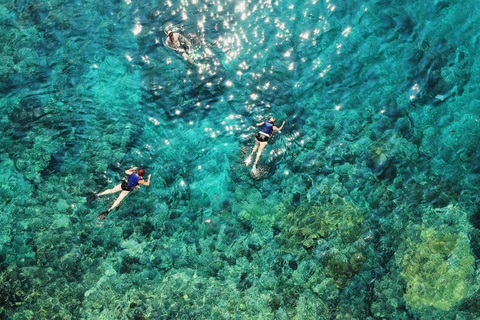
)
(366, 203)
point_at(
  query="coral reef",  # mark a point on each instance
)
(367, 202)
(438, 266)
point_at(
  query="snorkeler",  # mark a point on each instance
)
(134, 179)
(179, 43)
(261, 140)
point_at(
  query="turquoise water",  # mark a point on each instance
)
(365, 205)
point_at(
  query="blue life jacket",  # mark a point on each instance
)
(133, 180)
(267, 127)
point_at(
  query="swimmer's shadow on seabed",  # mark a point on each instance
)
(260, 173)
(261, 170)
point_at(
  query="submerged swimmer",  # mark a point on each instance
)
(179, 43)
(135, 178)
(261, 140)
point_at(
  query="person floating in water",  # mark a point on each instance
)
(135, 178)
(261, 140)
(179, 43)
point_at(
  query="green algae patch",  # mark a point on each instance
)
(338, 223)
(438, 269)
(308, 223)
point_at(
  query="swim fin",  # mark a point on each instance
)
(103, 215)
(91, 198)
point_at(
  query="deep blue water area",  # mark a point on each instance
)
(364, 206)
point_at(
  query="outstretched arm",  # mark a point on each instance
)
(130, 171)
(259, 124)
(278, 129)
(145, 183)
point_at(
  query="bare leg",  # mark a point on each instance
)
(259, 153)
(115, 189)
(122, 195)
(249, 158)
(187, 57)
(256, 147)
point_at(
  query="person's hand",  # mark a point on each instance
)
(149, 176)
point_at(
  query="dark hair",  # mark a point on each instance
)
(141, 172)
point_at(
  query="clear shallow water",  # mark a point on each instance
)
(367, 207)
